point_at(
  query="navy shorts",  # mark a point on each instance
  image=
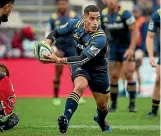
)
(98, 80)
(117, 52)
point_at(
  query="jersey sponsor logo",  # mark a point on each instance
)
(80, 46)
(151, 25)
(115, 26)
(130, 20)
(63, 26)
(94, 51)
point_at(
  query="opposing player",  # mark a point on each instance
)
(65, 45)
(89, 67)
(5, 9)
(154, 25)
(122, 36)
(8, 119)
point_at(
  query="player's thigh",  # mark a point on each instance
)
(129, 68)
(80, 77)
(80, 85)
(114, 69)
(99, 82)
(158, 74)
(101, 99)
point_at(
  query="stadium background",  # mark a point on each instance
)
(32, 17)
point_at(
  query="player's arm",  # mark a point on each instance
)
(152, 28)
(60, 31)
(131, 23)
(88, 53)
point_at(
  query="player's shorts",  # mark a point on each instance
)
(158, 61)
(68, 50)
(117, 52)
(98, 80)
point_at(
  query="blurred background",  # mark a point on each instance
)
(29, 22)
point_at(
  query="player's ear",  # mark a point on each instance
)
(85, 17)
(6, 8)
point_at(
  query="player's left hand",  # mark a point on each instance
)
(129, 54)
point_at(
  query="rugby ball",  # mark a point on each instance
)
(41, 48)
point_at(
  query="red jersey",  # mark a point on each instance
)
(7, 95)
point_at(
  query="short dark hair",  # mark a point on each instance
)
(56, 1)
(91, 8)
(4, 69)
(4, 2)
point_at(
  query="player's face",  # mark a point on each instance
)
(6, 10)
(111, 3)
(62, 6)
(91, 21)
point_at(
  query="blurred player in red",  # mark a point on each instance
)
(5, 9)
(8, 119)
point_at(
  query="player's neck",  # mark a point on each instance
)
(113, 10)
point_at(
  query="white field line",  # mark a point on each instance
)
(121, 127)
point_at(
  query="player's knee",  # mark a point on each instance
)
(79, 88)
(114, 77)
(158, 80)
(129, 75)
(102, 105)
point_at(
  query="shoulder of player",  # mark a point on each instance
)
(72, 14)
(156, 15)
(54, 16)
(78, 23)
(124, 12)
(99, 36)
(159, 12)
(99, 33)
(104, 11)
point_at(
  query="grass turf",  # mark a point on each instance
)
(38, 117)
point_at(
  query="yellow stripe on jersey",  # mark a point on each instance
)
(54, 16)
(72, 14)
(98, 33)
(159, 12)
(79, 23)
(104, 11)
(121, 11)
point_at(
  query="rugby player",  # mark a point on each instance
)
(89, 67)
(154, 25)
(120, 26)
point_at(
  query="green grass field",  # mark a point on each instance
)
(38, 117)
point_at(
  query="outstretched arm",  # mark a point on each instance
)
(60, 31)
(87, 54)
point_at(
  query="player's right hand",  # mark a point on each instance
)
(152, 62)
(129, 54)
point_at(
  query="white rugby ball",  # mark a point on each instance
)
(41, 48)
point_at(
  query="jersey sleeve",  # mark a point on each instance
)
(66, 28)
(152, 24)
(129, 18)
(95, 47)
